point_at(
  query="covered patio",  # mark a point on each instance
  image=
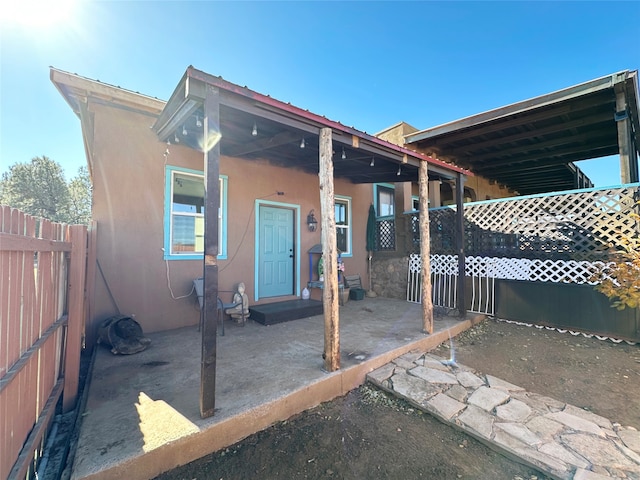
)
(141, 416)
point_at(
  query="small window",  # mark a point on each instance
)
(184, 215)
(385, 202)
(343, 224)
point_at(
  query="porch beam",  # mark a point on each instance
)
(628, 160)
(425, 250)
(462, 309)
(212, 204)
(331, 353)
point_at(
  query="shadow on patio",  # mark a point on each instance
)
(142, 414)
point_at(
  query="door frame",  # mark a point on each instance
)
(296, 243)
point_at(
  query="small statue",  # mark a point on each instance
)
(241, 309)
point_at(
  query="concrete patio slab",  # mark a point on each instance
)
(142, 411)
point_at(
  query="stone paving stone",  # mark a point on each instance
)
(631, 439)
(469, 380)
(445, 406)
(599, 451)
(590, 416)
(582, 474)
(412, 356)
(458, 392)
(513, 411)
(576, 423)
(558, 451)
(488, 398)
(432, 375)
(495, 382)
(627, 451)
(519, 432)
(509, 443)
(546, 463)
(544, 427)
(539, 403)
(381, 374)
(403, 363)
(477, 420)
(437, 364)
(413, 388)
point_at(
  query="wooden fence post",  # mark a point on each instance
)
(77, 235)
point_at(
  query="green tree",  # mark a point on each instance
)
(39, 188)
(80, 197)
(620, 280)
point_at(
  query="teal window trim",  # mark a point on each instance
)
(414, 199)
(256, 243)
(222, 247)
(347, 200)
(375, 196)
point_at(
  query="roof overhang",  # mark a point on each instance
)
(279, 130)
(530, 146)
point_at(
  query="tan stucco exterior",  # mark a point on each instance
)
(482, 187)
(128, 171)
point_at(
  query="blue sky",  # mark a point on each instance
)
(365, 64)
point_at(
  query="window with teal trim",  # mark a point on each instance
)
(385, 202)
(184, 215)
(343, 224)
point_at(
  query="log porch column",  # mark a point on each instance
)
(331, 353)
(212, 203)
(425, 250)
(462, 309)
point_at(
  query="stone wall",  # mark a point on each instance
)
(389, 275)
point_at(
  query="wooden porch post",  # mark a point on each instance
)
(425, 250)
(331, 353)
(462, 309)
(77, 235)
(628, 157)
(210, 296)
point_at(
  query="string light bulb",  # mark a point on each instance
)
(198, 121)
(254, 131)
(302, 144)
(184, 130)
(175, 138)
(373, 161)
(344, 154)
(399, 170)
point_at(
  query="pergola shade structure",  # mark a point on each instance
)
(218, 118)
(530, 146)
(279, 131)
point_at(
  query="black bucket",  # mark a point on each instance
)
(123, 334)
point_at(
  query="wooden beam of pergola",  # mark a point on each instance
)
(330, 293)
(212, 204)
(425, 249)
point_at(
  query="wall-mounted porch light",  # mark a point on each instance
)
(312, 223)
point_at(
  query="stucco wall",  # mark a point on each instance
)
(128, 177)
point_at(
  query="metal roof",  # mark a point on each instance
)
(280, 128)
(530, 146)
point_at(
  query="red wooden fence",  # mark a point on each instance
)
(42, 283)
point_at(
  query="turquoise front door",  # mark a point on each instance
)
(275, 252)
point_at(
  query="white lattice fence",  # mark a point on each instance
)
(484, 270)
(579, 225)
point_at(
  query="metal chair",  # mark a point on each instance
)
(198, 285)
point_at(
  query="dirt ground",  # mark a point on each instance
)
(368, 434)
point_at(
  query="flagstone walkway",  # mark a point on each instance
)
(560, 440)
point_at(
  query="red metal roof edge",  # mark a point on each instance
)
(220, 82)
